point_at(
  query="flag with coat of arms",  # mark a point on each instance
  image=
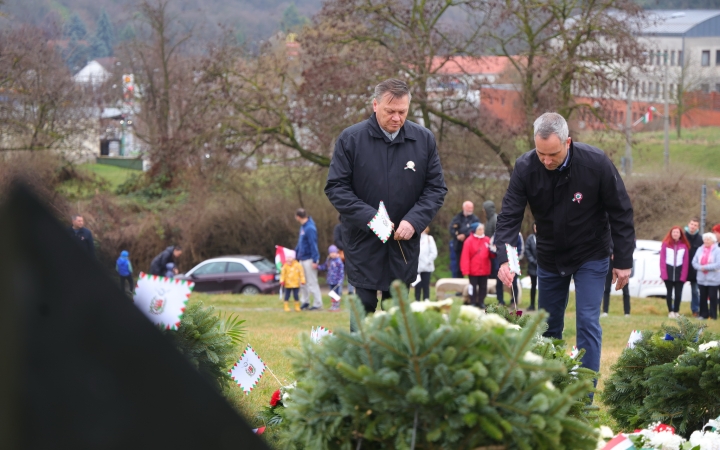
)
(162, 299)
(248, 370)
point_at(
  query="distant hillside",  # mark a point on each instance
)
(679, 4)
(249, 19)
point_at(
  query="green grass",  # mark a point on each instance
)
(271, 331)
(697, 149)
(115, 176)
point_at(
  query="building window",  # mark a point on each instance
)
(665, 58)
(717, 87)
(705, 88)
(705, 59)
(717, 57)
(680, 58)
(657, 90)
(672, 58)
(642, 90)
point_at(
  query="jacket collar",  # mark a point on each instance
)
(406, 132)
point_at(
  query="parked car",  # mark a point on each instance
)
(645, 278)
(239, 274)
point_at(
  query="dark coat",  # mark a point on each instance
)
(696, 242)
(85, 238)
(531, 255)
(159, 263)
(337, 237)
(490, 218)
(574, 209)
(461, 225)
(366, 168)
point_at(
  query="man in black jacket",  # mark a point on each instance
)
(459, 231)
(82, 234)
(385, 159)
(694, 237)
(579, 203)
(158, 266)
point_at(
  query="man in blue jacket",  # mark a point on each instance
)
(385, 158)
(307, 253)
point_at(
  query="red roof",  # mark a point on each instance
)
(470, 65)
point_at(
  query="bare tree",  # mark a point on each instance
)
(688, 94)
(43, 108)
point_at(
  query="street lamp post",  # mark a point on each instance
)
(666, 114)
(628, 131)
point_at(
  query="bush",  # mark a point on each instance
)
(632, 399)
(458, 378)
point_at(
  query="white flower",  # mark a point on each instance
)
(470, 313)
(494, 320)
(664, 440)
(549, 385)
(419, 306)
(706, 441)
(708, 345)
(606, 432)
(532, 358)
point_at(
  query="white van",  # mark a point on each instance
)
(645, 278)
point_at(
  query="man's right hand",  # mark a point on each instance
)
(460, 237)
(505, 275)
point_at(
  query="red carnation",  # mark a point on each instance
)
(662, 427)
(275, 398)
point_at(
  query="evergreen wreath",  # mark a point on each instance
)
(420, 378)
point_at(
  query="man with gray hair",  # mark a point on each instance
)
(82, 235)
(384, 158)
(580, 205)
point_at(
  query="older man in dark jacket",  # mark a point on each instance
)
(82, 235)
(385, 158)
(579, 203)
(158, 266)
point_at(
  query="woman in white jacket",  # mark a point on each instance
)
(426, 264)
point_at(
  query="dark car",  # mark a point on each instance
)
(239, 274)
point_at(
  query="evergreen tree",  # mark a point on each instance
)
(127, 34)
(98, 49)
(629, 384)
(432, 380)
(292, 19)
(76, 55)
(76, 29)
(105, 34)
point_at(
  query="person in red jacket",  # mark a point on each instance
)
(674, 263)
(475, 262)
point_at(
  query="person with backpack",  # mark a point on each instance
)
(124, 269)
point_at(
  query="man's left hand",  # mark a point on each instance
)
(314, 266)
(621, 276)
(404, 231)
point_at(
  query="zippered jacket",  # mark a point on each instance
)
(674, 261)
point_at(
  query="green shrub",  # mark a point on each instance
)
(449, 378)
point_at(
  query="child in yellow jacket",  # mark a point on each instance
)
(292, 277)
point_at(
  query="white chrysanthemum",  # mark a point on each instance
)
(470, 313)
(706, 441)
(379, 314)
(707, 346)
(532, 358)
(665, 440)
(494, 320)
(419, 306)
(606, 432)
(548, 383)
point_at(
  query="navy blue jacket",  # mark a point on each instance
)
(307, 246)
(575, 210)
(406, 175)
(85, 238)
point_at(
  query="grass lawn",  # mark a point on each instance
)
(697, 149)
(115, 176)
(271, 331)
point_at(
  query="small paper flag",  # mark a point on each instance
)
(417, 281)
(635, 336)
(575, 352)
(513, 261)
(282, 254)
(381, 224)
(248, 370)
(318, 333)
(619, 442)
(334, 295)
(162, 299)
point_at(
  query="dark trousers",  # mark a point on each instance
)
(553, 295)
(712, 293)
(533, 290)
(294, 292)
(455, 251)
(369, 299)
(479, 286)
(423, 287)
(130, 282)
(606, 294)
(671, 286)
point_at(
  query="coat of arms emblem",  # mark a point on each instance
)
(250, 370)
(157, 305)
